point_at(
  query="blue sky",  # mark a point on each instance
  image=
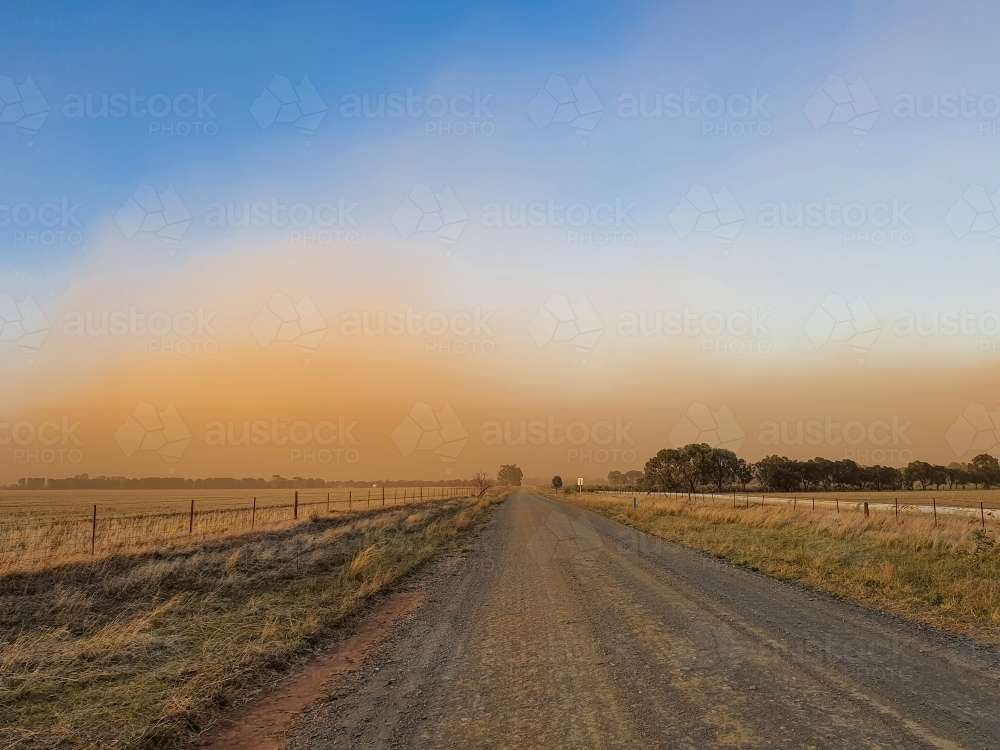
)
(784, 51)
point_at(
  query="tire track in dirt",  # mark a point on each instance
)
(264, 721)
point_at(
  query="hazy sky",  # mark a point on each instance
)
(415, 241)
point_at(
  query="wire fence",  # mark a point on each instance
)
(823, 503)
(36, 540)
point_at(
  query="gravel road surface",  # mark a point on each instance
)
(563, 629)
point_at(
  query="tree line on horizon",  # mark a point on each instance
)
(698, 466)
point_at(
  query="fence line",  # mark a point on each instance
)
(29, 542)
(861, 506)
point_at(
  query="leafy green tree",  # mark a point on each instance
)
(556, 482)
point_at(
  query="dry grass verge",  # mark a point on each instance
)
(946, 575)
(143, 651)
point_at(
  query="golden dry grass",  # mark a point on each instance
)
(970, 498)
(945, 574)
(46, 528)
(142, 651)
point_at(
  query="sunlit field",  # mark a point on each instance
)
(970, 498)
(41, 528)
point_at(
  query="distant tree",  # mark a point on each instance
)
(556, 482)
(777, 473)
(482, 482)
(662, 471)
(616, 478)
(883, 477)
(721, 467)
(696, 465)
(847, 473)
(986, 469)
(743, 473)
(510, 476)
(632, 478)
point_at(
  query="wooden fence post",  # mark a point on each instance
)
(327, 502)
(93, 532)
(934, 500)
(897, 507)
(383, 495)
(866, 509)
(982, 514)
(837, 500)
(349, 494)
(253, 514)
(296, 511)
(814, 503)
(191, 520)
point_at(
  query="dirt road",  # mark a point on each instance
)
(562, 629)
